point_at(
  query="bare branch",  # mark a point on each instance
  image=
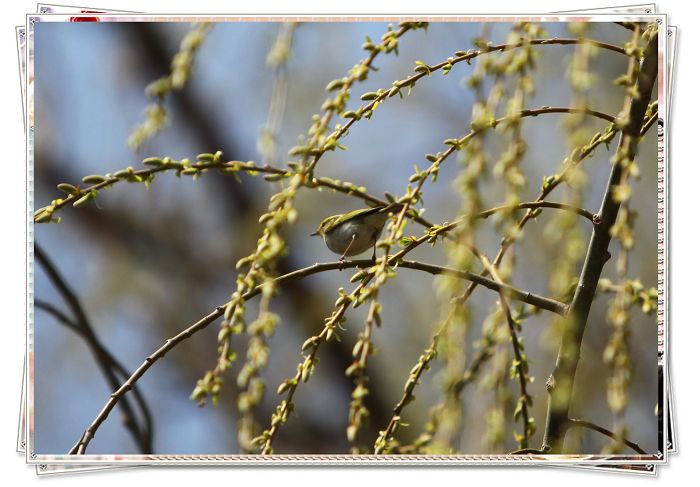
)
(592, 426)
(539, 204)
(510, 291)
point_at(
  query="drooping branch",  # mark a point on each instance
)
(271, 246)
(358, 73)
(248, 381)
(277, 60)
(176, 79)
(521, 369)
(106, 361)
(560, 383)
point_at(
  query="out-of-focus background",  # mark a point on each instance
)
(150, 262)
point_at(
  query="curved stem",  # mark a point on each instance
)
(520, 362)
(365, 64)
(539, 204)
(427, 70)
(129, 384)
(510, 291)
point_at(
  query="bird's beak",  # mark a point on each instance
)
(314, 234)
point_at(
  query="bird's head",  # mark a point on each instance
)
(326, 225)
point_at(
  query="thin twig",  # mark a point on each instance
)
(510, 291)
(520, 363)
(539, 204)
(587, 424)
(427, 70)
(130, 383)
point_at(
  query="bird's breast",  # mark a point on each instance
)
(339, 240)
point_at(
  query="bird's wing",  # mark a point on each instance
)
(358, 214)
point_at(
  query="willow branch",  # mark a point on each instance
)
(176, 79)
(430, 352)
(592, 426)
(388, 44)
(577, 158)
(520, 362)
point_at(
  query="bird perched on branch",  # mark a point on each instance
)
(354, 232)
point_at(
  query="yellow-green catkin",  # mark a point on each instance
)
(516, 66)
(271, 246)
(180, 71)
(250, 385)
(277, 61)
(446, 419)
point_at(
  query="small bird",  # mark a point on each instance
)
(354, 232)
